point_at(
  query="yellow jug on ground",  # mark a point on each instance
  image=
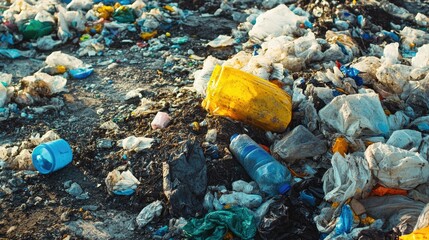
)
(247, 98)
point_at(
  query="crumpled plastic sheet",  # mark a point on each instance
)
(240, 221)
(136, 143)
(356, 115)
(148, 213)
(349, 176)
(121, 183)
(398, 211)
(396, 168)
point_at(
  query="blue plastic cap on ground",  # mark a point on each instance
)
(283, 189)
(233, 137)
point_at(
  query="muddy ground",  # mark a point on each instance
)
(40, 208)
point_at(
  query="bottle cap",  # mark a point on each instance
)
(283, 189)
(233, 136)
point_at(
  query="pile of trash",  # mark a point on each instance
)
(343, 103)
(94, 25)
(370, 105)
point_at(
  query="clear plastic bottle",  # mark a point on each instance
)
(272, 176)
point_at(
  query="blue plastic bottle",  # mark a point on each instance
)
(272, 177)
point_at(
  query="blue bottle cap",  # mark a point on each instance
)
(233, 136)
(283, 189)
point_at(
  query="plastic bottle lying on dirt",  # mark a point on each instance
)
(271, 176)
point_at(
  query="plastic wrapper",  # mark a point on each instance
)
(202, 76)
(136, 143)
(244, 97)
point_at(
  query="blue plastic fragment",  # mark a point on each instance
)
(125, 192)
(345, 221)
(81, 73)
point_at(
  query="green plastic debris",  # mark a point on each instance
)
(35, 29)
(124, 15)
(239, 220)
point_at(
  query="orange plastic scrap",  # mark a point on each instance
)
(247, 98)
(381, 191)
(148, 35)
(341, 146)
(420, 234)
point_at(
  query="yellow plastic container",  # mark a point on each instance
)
(244, 97)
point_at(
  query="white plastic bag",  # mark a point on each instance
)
(396, 168)
(391, 54)
(356, 115)
(422, 57)
(202, 76)
(348, 177)
(275, 22)
(58, 58)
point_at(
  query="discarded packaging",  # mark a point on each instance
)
(121, 183)
(148, 213)
(160, 121)
(244, 97)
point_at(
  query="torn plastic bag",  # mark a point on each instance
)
(349, 176)
(396, 168)
(300, 143)
(148, 213)
(406, 139)
(400, 212)
(288, 218)
(216, 224)
(356, 115)
(185, 179)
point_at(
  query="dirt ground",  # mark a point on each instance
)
(40, 208)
